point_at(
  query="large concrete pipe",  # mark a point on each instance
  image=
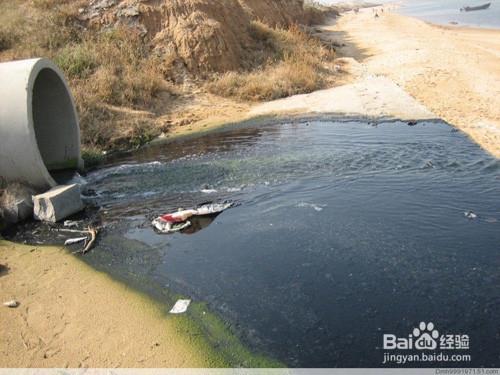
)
(39, 131)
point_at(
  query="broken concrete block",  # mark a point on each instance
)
(58, 203)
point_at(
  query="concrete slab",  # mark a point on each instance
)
(370, 97)
(58, 203)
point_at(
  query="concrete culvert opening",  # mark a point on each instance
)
(55, 123)
(39, 131)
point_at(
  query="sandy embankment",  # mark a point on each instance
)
(72, 316)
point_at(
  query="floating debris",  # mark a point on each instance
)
(71, 224)
(208, 191)
(180, 306)
(213, 208)
(168, 227)
(89, 240)
(315, 207)
(429, 164)
(470, 215)
(12, 304)
(72, 241)
(177, 221)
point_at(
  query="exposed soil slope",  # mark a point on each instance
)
(202, 35)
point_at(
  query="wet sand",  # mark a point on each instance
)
(73, 316)
(453, 71)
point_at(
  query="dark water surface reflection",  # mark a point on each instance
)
(343, 232)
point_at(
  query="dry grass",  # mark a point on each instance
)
(117, 68)
(110, 68)
(296, 63)
(287, 78)
(10, 17)
(316, 13)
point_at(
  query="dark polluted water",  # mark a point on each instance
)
(342, 232)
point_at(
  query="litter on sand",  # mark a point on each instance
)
(12, 304)
(180, 306)
(177, 221)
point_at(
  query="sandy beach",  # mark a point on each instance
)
(453, 71)
(72, 316)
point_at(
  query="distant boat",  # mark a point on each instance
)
(479, 7)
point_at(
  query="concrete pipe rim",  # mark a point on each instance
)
(40, 65)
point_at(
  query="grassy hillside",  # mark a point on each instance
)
(133, 67)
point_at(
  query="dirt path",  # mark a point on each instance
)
(455, 72)
(72, 316)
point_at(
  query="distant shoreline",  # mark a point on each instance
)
(477, 22)
(453, 71)
(392, 5)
